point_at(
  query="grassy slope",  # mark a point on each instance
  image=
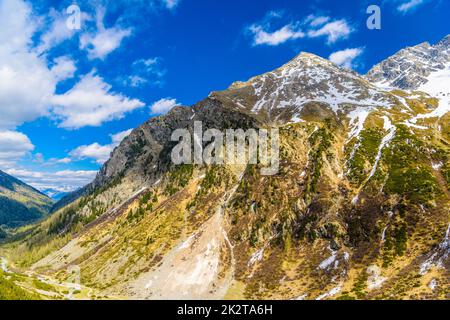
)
(20, 203)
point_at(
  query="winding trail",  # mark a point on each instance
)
(69, 287)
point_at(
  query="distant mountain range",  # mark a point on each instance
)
(55, 194)
(20, 203)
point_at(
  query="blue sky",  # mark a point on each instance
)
(68, 97)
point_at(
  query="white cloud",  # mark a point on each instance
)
(93, 151)
(39, 158)
(346, 58)
(65, 180)
(171, 4)
(26, 83)
(64, 68)
(100, 153)
(104, 41)
(334, 31)
(146, 71)
(265, 33)
(316, 21)
(136, 81)
(275, 38)
(163, 106)
(13, 146)
(58, 31)
(63, 160)
(18, 24)
(314, 25)
(118, 137)
(410, 5)
(90, 103)
(148, 64)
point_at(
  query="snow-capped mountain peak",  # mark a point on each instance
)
(423, 68)
(410, 68)
(283, 94)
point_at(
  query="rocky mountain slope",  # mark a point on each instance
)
(423, 68)
(359, 209)
(20, 203)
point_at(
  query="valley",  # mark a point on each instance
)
(359, 209)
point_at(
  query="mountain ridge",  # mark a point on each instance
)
(358, 210)
(20, 203)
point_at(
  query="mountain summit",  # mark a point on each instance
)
(411, 68)
(423, 68)
(283, 95)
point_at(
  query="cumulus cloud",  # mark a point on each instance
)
(101, 43)
(316, 20)
(171, 4)
(275, 38)
(26, 83)
(163, 106)
(314, 26)
(58, 161)
(118, 137)
(93, 151)
(57, 32)
(146, 72)
(333, 31)
(270, 32)
(64, 181)
(13, 146)
(28, 78)
(346, 58)
(90, 103)
(100, 153)
(63, 68)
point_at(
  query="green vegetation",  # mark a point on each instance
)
(320, 142)
(211, 180)
(409, 172)
(446, 173)
(62, 222)
(306, 227)
(14, 213)
(417, 184)
(9, 290)
(19, 203)
(43, 286)
(96, 192)
(360, 285)
(145, 205)
(366, 150)
(179, 177)
(395, 243)
(136, 148)
(242, 200)
(3, 233)
(400, 236)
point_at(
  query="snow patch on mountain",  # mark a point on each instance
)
(438, 86)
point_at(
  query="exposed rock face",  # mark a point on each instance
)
(145, 153)
(363, 181)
